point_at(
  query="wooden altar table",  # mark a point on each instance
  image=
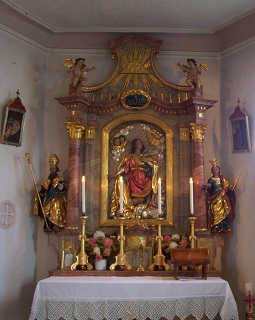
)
(128, 298)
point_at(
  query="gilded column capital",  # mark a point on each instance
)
(74, 129)
(90, 133)
(184, 134)
(197, 131)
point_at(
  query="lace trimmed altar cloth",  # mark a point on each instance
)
(128, 298)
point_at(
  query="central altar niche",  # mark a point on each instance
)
(156, 138)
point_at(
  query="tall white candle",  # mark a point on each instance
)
(159, 196)
(248, 287)
(191, 196)
(121, 194)
(83, 197)
(248, 290)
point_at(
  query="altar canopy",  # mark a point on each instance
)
(128, 298)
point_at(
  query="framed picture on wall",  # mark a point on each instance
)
(240, 131)
(13, 123)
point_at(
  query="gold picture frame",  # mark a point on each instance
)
(240, 131)
(108, 132)
(13, 123)
(68, 258)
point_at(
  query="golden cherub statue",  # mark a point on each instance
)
(78, 69)
(192, 72)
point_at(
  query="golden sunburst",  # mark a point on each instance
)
(135, 66)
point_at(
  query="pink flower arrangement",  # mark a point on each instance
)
(174, 241)
(100, 245)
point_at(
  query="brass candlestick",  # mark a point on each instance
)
(82, 258)
(192, 236)
(121, 259)
(159, 263)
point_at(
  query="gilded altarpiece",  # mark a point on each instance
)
(157, 138)
(136, 96)
(135, 99)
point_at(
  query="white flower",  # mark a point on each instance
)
(96, 250)
(98, 234)
(173, 244)
(176, 236)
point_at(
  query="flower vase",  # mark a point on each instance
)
(170, 264)
(100, 264)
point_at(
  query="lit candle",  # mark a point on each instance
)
(121, 194)
(159, 196)
(191, 196)
(83, 202)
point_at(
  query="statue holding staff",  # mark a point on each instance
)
(50, 201)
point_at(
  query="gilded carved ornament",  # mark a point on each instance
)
(90, 133)
(197, 131)
(135, 99)
(137, 121)
(75, 130)
(184, 134)
(78, 70)
(135, 69)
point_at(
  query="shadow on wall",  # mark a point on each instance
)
(19, 307)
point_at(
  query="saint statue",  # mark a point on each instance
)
(52, 204)
(140, 175)
(220, 199)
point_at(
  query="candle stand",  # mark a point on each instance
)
(82, 258)
(192, 236)
(121, 259)
(249, 306)
(140, 253)
(159, 263)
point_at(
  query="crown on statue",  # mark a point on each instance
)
(213, 162)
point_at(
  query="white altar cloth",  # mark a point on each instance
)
(129, 298)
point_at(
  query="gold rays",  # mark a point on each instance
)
(135, 70)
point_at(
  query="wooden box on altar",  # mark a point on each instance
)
(191, 258)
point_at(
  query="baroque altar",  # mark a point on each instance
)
(135, 102)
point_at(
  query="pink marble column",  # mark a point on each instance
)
(74, 179)
(197, 131)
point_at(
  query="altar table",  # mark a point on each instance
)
(129, 298)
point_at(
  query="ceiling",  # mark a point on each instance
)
(49, 19)
(133, 15)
